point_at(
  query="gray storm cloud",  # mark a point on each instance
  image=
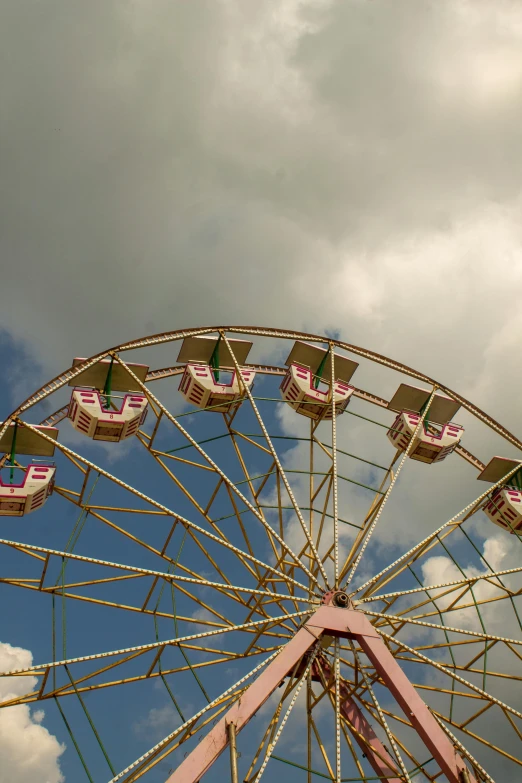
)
(320, 164)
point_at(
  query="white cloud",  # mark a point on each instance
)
(496, 615)
(204, 617)
(28, 751)
(159, 720)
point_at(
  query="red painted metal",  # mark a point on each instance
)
(414, 708)
(208, 750)
(344, 623)
(378, 757)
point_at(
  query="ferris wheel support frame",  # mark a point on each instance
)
(305, 657)
(341, 624)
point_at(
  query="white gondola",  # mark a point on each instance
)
(438, 436)
(299, 390)
(100, 414)
(504, 506)
(206, 364)
(30, 486)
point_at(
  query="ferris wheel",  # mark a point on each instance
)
(232, 570)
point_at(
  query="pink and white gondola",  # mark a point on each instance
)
(27, 488)
(208, 364)
(437, 437)
(103, 415)
(307, 364)
(504, 506)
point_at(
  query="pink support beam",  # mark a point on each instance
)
(415, 709)
(378, 757)
(208, 750)
(348, 624)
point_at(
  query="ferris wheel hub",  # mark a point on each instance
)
(337, 598)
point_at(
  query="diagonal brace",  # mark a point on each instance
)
(378, 757)
(347, 624)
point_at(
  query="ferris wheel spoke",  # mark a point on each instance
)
(27, 584)
(255, 492)
(459, 667)
(267, 578)
(456, 583)
(78, 459)
(406, 565)
(365, 738)
(243, 529)
(445, 720)
(273, 743)
(364, 742)
(87, 683)
(279, 555)
(280, 470)
(456, 694)
(256, 605)
(270, 731)
(477, 768)
(433, 539)
(337, 704)
(160, 553)
(232, 691)
(153, 400)
(419, 767)
(327, 483)
(402, 747)
(322, 748)
(207, 608)
(225, 589)
(190, 531)
(430, 601)
(160, 753)
(156, 612)
(335, 508)
(447, 628)
(388, 492)
(353, 752)
(42, 669)
(204, 511)
(370, 516)
(445, 669)
(256, 636)
(267, 736)
(454, 600)
(383, 721)
(288, 585)
(457, 605)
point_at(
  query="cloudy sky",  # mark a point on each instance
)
(348, 165)
(311, 163)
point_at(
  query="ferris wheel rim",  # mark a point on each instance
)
(166, 337)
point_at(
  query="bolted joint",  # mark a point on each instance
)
(341, 599)
(337, 598)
